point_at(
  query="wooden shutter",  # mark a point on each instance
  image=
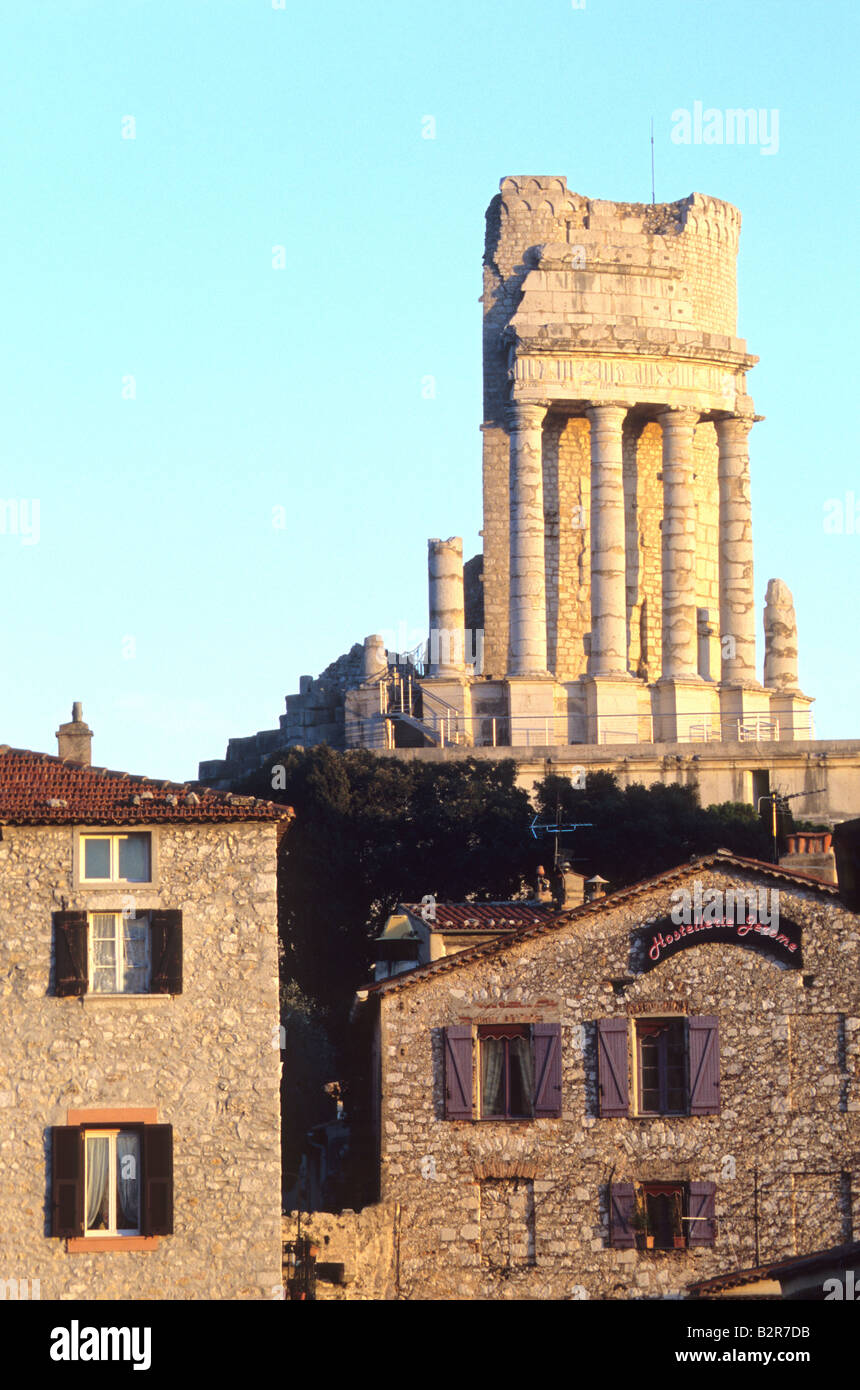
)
(70, 952)
(621, 1204)
(458, 1073)
(166, 947)
(157, 1203)
(704, 1066)
(67, 1180)
(547, 1043)
(702, 1227)
(612, 1069)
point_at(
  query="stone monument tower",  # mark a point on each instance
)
(618, 557)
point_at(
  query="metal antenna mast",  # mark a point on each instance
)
(653, 198)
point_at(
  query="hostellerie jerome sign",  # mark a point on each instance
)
(665, 938)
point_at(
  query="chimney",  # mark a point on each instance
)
(74, 740)
(568, 887)
(543, 892)
(810, 852)
(595, 887)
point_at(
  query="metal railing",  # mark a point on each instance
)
(444, 726)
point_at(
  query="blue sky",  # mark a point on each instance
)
(159, 592)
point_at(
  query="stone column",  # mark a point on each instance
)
(737, 608)
(527, 592)
(374, 657)
(447, 607)
(608, 574)
(780, 638)
(680, 656)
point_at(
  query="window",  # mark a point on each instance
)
(507, 1071)
(662, 1215)
(119, 953)
(113, 953)
(502, 1071)
(661, 1058)
(111, 1180)
(123, 858)
(676, 1061)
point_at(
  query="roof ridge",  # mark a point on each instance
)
(586, 909)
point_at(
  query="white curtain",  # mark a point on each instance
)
(127, 1169)
(492, 1076)
(522, 1076)
(98, 1163)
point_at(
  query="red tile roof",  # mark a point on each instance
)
(481, 917)
(39, 789)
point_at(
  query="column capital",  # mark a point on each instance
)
(607, 410)
(524, 415)
(679, 417)
(734, 426)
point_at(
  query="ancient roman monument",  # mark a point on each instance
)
(618, 561)
(612, 613)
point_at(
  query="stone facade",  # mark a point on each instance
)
(204, 1061)
(529, 1208)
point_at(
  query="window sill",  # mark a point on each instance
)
(125, 886)
(80, 1245)
(139, 1001)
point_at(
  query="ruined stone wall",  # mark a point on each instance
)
(364, 1243)
(207, 1059)
(518, 1209)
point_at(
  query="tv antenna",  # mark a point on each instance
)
(653, 198)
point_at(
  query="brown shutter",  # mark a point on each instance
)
(157, 1204)
(70, 953)
(621, 1203)
(702, 1225)
(458, 1073)
(67, 1180)
(547, 1042)
(704, 1066)
(612, 1069)
(166, 946)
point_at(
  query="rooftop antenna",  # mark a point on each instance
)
(653, 199)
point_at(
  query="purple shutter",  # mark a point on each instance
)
(612, 1066)
(67, 1180)
(157, 1204)
(704, 1066)
(458, 1073)
(70, 953)
(621, 1204)
(547, 1041)
(166, 952)
(702, 1212)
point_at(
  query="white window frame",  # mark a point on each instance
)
(113, 838)
(119, 957)
(111, 1134)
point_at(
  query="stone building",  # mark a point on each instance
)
(647, 1092)
(140, 1068)
(611, 618)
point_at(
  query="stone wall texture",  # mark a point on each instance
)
(518, 1209)
(208, 1059)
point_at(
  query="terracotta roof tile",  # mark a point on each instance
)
(39, 789)
(481, 917)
